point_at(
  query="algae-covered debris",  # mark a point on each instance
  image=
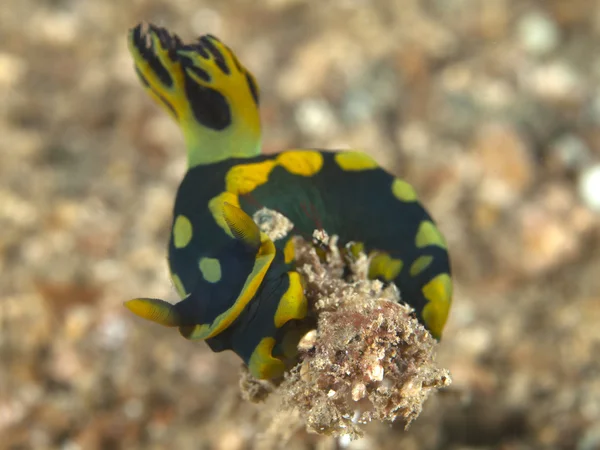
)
(368, 358)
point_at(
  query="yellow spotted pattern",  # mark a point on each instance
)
(182, 231)
(304, 162)
(403, 191)
(428, 234)
(355, 161)
(263, 260)
(238, 138)
(210, 269)
(244, 178)
(439, 293)
(420, 264)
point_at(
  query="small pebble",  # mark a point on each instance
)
(315, 117)
(538, 34)
(589, 187)
(556, 81)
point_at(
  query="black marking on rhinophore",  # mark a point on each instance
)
(142, 77)
(169, 41)
(139, 41)
(167, 103)
(161, 72)
(185, 60)
(207, 42)
(200, 73)
(209, 106)
(188, 64)
(196, 48)
(236, 61)
(146, 48)
(253, 88)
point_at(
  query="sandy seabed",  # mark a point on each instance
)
(490, 108)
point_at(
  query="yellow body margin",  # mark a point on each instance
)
(435, 313)
(262, 364)
(292, 304)
(222, 321)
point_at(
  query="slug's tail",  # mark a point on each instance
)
(205, 88)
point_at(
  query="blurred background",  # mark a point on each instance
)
(491, 108)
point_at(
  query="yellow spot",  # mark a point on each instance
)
(355, 161)
(244, 178)
(403, 191)
(182, 231)
(289, 251)
(301, 162)
(428, 234)
(262, 262)
(384, 266)
(211, 269)
(215, 205)
(262, 364)
(292, 304)
(439, 293)
(420, 264)
(178, 285)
